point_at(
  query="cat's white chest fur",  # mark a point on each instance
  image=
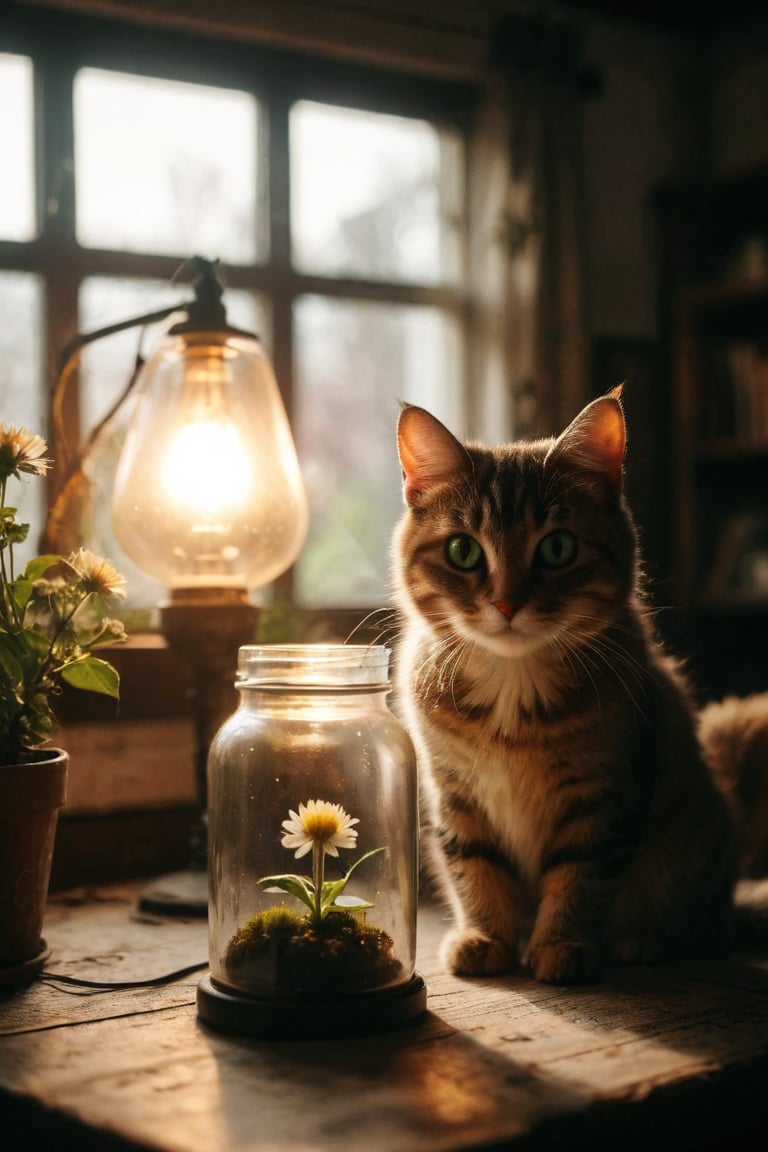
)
(511, 807)
(507, 775)
(513, 688)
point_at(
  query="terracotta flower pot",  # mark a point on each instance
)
(31, 795)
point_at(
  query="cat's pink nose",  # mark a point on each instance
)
(508, 608)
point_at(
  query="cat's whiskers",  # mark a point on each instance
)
(390, 635)
(446, 655)
(606, 653)
(594, 650)
(388, 627)
(572, 652)
(607, 660)
(598, 631)
(447, 658)
(620, 654)
(461, 648)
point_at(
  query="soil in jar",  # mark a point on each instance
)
(281, 953)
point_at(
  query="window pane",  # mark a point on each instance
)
(165, 167)
(17, 194)
(355, 362)
(107, 364)
(374, 196)
(105, 371)
(21, 389)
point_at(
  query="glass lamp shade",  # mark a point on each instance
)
(208, 491)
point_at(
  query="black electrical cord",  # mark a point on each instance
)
(54, 978)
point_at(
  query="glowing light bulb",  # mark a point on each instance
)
(208, 489)
(207, 494)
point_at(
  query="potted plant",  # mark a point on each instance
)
(53, 615)
(328, 950)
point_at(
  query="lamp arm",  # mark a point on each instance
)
(68, 489)
(205, 311)
(57, 535)
(72, 351)
(82, 338)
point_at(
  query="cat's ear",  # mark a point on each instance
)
(429, 453)
(597, 438)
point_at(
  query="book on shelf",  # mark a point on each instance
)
(735, 399)
(740, 560)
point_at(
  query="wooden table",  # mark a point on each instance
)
(671, 1057)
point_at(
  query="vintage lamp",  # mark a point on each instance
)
(208, 498)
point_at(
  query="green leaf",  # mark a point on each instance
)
(357, 863)
(112, 632)
(92, 675)
(35, 642)
(22, 590)
(298, 886)
(16, 533)
(330, 896)
(10, 666)
(39, 565)
(351, 902)
(331, 889)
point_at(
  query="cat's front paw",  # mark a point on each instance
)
(469, 952)
(564, 962)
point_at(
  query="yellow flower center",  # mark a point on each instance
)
(321, 826)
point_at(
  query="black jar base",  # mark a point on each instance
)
(310, 1020)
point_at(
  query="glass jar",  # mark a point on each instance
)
(313, 849)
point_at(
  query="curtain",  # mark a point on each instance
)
(527, 234)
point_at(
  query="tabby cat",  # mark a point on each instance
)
(564, 789)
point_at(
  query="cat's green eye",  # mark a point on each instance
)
(464, 552)
(557, 550)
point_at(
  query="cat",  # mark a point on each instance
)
(564, 791)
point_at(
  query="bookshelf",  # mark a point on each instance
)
(715, 314)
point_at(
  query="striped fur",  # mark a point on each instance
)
(564, 794)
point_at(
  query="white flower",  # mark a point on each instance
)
(322, 823)
(97, 575)
(21, 451)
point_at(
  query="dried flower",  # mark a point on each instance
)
(319, 823)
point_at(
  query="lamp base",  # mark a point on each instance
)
(205, 628)
(177, 894)
(310, 1020)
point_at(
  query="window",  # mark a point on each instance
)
(165, 167)
(17, 199)
(354, 360)
(333, 197)
(21, 375)
(373, 196)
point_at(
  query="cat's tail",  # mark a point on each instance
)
(733, 734)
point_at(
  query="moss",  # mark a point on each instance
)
(280, 953)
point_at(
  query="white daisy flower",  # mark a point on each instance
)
(97, 575)
(318, 822)
(21, 451)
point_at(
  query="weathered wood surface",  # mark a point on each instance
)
(675, 1056)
